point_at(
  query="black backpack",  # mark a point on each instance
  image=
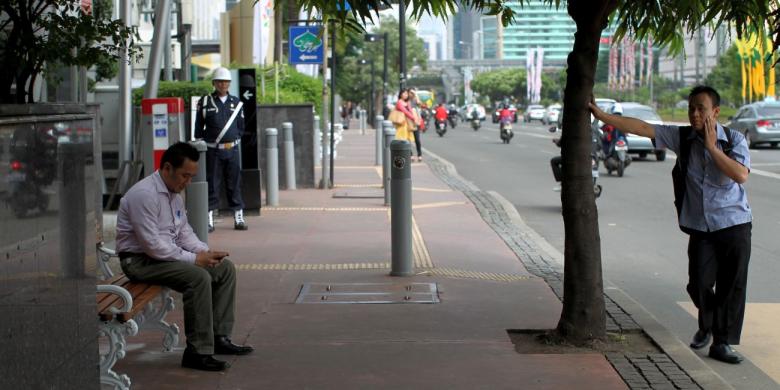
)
(680, 170)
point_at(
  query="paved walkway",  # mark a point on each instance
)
(309, 268)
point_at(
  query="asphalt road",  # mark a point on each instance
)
(643, 252)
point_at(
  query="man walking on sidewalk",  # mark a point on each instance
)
(220, 122)
(712, 166)
(157, 245)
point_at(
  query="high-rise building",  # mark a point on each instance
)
(539, 25)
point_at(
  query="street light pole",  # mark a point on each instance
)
(384, 76)
(371, 101)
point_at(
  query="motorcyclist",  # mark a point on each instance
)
(611, 133)
(441, 113)
(505, 116)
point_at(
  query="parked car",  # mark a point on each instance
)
(466, 110)
(759, 122)
(533, 112)
(551, 114)
(642, 145)
(497, 112)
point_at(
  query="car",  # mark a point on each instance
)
(551, 114)
(533, 112)
(637, 144)
(759, 122)
(497, 113)
(465, 111)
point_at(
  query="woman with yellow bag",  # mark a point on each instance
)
(403, 118)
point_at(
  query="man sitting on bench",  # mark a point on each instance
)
(156, 245)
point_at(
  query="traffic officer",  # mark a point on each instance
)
(220, 122)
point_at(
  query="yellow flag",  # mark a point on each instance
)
(770, 88)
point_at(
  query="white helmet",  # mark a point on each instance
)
(617, 109)
(222, 74)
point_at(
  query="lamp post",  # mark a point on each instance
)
(402, 43)
(371, 93)
(374, 38)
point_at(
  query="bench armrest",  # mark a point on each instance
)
(104, 256)
(124, 294)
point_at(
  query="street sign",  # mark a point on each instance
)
(305, 45)
(247, 92)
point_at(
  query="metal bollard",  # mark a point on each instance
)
(272, 167)
(401, 209)
(389, 135)
(379, 139)
(289, 155)
(362, 122)
(325, 180)
(316, 135)
(197, 200)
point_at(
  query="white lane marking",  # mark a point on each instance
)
(766, 174)
(765, 164)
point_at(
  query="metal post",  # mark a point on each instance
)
(384, 76)
(168, 73)
(389, 135)
(160, 28)
(325, 147)
(272, 167)
(197, 200)
(316, 135)
(289, 155)
(332, 96)
(125, 100)
(401, 209)
(378, 130)
(371, 101)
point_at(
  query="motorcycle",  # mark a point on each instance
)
(441, 127)
(475, 122)
(617, 158)
(452, 116)
(506, 132)
(557, 164)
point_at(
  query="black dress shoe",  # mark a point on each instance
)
(701, 339)
(224, 346)
(202, 362)
(725, 353)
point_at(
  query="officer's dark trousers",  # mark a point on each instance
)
(223, 165)
(717, 272)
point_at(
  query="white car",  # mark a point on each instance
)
(465, 111)
(551, 114)
(534, 112)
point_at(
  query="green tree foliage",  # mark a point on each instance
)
(34, 33)
(353, 80)
(511, 83)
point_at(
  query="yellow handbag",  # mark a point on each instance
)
(396, 117)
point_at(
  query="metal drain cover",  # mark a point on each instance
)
(355, 293)
(360, 193)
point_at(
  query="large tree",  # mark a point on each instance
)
(668, 21)
(35, 34)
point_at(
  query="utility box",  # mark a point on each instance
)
(162, 125)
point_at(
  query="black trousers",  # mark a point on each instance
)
(717, 280)
(223, 165)
(417, 142)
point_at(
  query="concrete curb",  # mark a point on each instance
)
(679, 352)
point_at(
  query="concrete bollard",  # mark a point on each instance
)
(289, 155)
(401, 208)
(272, 167)
(379, 139)
(197, 200)
(325, 180)
(389, 135)
(362, 121)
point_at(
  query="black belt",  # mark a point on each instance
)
(127, 255)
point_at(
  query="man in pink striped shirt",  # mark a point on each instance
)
(157, 245)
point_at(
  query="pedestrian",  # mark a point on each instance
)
(712, 166)
(419, 128)
(220, 122)
(404, 130)
(157, 245)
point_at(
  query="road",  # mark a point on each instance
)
(643, 252)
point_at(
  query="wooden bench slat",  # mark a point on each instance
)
(140, 301)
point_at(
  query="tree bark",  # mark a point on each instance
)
(583, 316)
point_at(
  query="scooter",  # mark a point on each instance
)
(475, 122)
(617, 158)
(557, 165)
(452, 116)
(506, 132)
(441, 127)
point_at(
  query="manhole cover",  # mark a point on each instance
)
(360, 193)
(368, 293)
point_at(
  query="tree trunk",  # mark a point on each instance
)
(583, 316)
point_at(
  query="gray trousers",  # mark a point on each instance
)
(209, 295)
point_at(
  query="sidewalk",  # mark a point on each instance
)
(295, 259)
